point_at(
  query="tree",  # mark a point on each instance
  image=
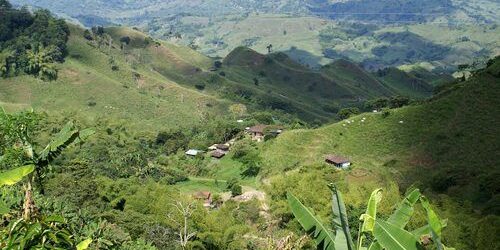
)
(269, 48)
(347, 112)
(17, 129)
(41, 63)
(30, 231)
(377, 104)
(386, 234)
(184, 211)
(399, 101)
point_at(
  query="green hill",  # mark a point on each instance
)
(447, 146)
(405, 83)
(351, 74)
(97, 81)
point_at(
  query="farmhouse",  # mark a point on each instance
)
(338, 161)
(218, 153)
(204, 196)
(222, 147)
(259, 131)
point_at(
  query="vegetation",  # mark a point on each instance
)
(390, 234)
(149, 101)
(32, 43)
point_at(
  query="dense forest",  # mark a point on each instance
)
(31, 43)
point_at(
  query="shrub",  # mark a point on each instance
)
(236, 190)
(217, 64)
(87, 35)
(385, 113)
(256, 81)
(200, 86)
(125, 40)
(347, 112)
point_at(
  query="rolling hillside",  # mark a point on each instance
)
(89, 87)
(447, 146)
(150, 80)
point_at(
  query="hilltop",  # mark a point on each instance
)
(445, 146)
(124, 69)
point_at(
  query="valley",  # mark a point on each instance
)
(129, 136)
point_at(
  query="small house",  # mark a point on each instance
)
(257, 132)
(204, 196)
(222, 147)
(193, 152)
(338, 161)
(218, 153)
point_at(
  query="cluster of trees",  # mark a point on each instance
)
(384, 102)
(31, 43)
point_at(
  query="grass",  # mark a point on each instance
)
(447, 146)
(194, 185)
(88, 88)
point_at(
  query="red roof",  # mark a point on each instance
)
(336, 159)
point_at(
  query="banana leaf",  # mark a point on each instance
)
(324, 237)
(13, 176)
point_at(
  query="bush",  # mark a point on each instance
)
(385, 113)
(256, 81)
(125, 40)
(236, 190)
(200, 86)
(217, 64)
(87, 35)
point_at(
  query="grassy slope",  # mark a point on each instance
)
(151, 100)
(452, 140)
(351, 74)
(341, 82)
(405, 83)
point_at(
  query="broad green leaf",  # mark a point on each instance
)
(84, 244)
(405, 209)
(343, 238)
(427, 229)
(84, 135)
(55, 218)
(371, 211)
(61, 140)
(4, 209)
(394, 238)
(321, 234)
(13, 176)
(65, 138)
(434, 223)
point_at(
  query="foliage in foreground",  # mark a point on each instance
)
(385, 234)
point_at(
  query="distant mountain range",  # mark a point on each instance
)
(377, 34)
(121, 11)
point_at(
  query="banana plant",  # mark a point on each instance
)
(11, 177)
(387, 234)
(69, 135)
